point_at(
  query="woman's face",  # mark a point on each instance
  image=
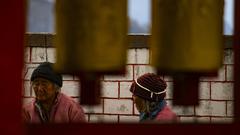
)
(44, 90)
(140, 104)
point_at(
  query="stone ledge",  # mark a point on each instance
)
(135, 41)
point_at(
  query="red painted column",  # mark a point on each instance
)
(237, 61)
(11, 58)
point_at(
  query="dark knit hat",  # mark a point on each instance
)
(45, 70)
(150, 87)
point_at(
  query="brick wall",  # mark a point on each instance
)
(216, 93)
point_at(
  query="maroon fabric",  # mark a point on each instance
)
(152, 82)
(236, 45)
(167, 115)
(65, 110)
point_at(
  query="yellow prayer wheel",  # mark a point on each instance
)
(91, 35)
(187, 35)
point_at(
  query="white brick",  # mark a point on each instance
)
(28, 73)
(211, 108)
(103, 118)
(127, 76)
(169, 94)
(24, 71)
(203, 119)
(220, 76)
(181, 110)
(230, 107)
(221, 120)
(195, 119)
(110, 89)
(187, 119)
(138, 56)
(129, 119)
(27, 54)
(142, 69)
(51, 55)
(230, 73)
(142, 56)
(38, 54)
(71, 88)
(33, 93)
(27, 101)
(228, 57)
(131, 56)
(116, 106)
(204, 90)
(222, 91)
(136, 112)
(93, 109)
(27, 89)
(125, 90)
(28, 69)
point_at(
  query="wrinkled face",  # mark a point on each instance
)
(44, 90)
(140, 104)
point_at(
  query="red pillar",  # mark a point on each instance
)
(11, 58)
(237, 61)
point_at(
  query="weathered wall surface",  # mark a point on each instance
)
(216, 93)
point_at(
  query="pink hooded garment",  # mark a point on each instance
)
(166, 115)
(65, 110)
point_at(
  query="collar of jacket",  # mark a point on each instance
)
(153, 114)
(45, 116)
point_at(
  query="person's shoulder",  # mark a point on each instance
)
(166, 114)
(168, 110)
(66, 99)
(69, 102)
(29, 105)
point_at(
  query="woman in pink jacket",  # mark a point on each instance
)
(50, 105)
(149, 91)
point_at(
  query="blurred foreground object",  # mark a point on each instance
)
(236, 45)
(13, 13)
(187, 42)
(91, 40)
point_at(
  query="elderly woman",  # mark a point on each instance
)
(149, 91)
(50, 105)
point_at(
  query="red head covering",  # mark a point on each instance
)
(150, 87)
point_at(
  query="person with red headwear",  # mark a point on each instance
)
(149, 91)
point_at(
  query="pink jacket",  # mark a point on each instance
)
(65, 110)
(166, 115)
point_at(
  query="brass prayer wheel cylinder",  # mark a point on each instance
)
(91, 35)
(187, 35)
